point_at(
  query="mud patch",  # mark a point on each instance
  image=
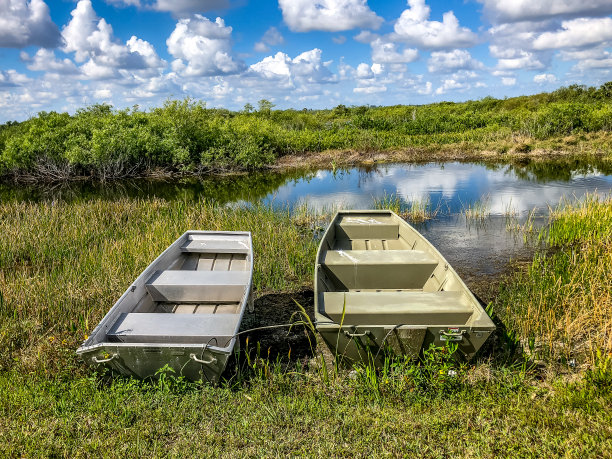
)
(279, 309)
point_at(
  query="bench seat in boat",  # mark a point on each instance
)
(219, 244)
(384, 308)
(177, 286)
(213, 329)
(366, 227)
(381, 269)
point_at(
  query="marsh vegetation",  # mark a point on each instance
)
(186, 137)
(542, 385)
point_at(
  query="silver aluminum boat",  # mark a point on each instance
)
(184, 310)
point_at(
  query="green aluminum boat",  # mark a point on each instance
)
(380, 284)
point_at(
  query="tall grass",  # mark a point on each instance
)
(477, 210)
(562, 306)
(62, 265)
(415, 210)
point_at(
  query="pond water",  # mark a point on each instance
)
(510, 195)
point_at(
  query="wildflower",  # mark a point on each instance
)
(51, 339)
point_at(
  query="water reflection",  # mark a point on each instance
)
(506, 189)
(477, 249)
(249, 187)
(522, 185)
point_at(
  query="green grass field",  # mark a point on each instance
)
(62, 266)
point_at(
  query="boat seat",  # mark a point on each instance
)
(380, 269)
(367, 227)
(218, 244)
(392, 308)
(177, 286)
(215, 329)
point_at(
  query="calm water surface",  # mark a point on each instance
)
(511, 195)
(475, 248)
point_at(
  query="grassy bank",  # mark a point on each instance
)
(185, 137)
(62, 265)
(561, 307)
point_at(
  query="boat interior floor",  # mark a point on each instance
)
(386, 280)
(197, 299)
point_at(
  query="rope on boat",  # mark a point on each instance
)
(267, 327)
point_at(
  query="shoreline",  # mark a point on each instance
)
(597, 147)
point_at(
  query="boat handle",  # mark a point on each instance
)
(195, 359)
(356, 335)
(451, 336)
(97, 360)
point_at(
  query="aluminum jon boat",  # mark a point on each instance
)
(184, 310)
(380, 284)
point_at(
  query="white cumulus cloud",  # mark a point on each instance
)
(45, 61)
(591, 58)
(515, 59)
(92, 40)
(204, 45)
(277, 66)
(364, 71)
(449, 85)
(508, 81)
(545, 78)
(272, 37)
(369, 89)
(414, 27)
(576, 33)
(458, 59)
(182, 7)
(307, 67)
(179, 8)
(529, 10)
(328, 15)
(27, 23)
(385, 52)
(11, 78)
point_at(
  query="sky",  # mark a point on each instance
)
(64, 55)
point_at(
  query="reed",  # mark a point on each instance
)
(416, 210)
(530, 228)
(478, 210)
(561, 307)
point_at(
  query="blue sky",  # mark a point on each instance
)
(63, 54)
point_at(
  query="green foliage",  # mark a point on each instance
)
(265, 106)
(186, 136)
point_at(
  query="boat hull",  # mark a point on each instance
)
(381, 287)
(149, 360)
(368, 343)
